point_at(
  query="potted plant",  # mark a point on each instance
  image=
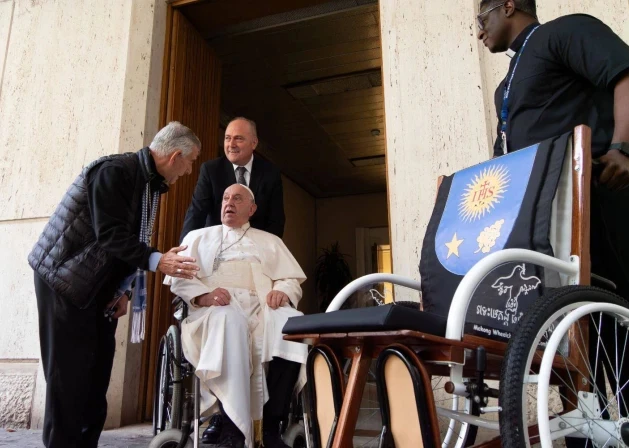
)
(331, 274)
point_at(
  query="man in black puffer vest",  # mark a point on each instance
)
(84, 263)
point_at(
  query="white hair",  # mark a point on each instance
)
(175, 136)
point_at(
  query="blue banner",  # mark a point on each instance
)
(482, 206)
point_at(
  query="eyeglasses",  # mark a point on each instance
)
(479, 18)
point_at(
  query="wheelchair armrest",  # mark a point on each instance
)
(181, 308)
(366, 280)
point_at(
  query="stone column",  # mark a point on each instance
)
(77, 81)
(435, 112)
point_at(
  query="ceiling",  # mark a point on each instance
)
(311, 80)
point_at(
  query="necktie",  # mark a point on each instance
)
(241, 170)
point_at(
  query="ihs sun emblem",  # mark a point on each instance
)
(484, 192)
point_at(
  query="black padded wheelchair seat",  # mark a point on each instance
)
(389, 317)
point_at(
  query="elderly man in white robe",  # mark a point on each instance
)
(247, 287)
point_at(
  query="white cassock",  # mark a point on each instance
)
(231, 345)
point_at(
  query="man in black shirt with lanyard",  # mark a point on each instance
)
(570, 71)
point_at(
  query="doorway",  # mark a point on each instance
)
(308, 72)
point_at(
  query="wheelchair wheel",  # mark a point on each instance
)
(168, 401)
(157, 412)
(295, 436)
(587, 394)
(169, 439)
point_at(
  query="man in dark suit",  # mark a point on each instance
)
(239, 165)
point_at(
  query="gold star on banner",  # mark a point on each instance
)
(453, 246)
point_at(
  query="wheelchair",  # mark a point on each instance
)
(176, 399)
(556, 382)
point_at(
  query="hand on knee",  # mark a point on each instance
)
(276, 299)
(218, 297)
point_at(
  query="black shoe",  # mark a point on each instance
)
(273, 440)
(230, 436)
(213, 431)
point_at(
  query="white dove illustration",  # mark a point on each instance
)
(523, 285)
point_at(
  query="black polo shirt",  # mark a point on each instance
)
(565, 77)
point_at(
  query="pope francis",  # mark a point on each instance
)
(247, 286)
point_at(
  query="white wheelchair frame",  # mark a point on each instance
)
(578, 163)
(458, 311)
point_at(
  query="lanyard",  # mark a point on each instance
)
(504, 113)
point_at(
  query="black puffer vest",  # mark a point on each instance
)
(67, 255)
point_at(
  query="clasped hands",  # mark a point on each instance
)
(221, 297)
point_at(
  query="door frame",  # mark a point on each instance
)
(147, 369)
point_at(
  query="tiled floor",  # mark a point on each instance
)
(137, 436)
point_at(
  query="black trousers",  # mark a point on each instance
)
(77, 349)
(609, 249)
(610, 258)
(280, 380)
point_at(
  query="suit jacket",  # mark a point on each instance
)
(218, 174)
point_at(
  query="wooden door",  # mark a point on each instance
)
(190, 94)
